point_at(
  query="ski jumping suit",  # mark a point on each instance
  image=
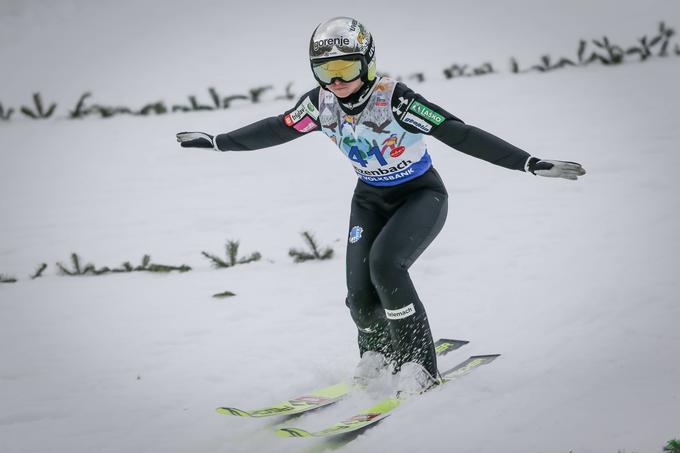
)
(399, 203)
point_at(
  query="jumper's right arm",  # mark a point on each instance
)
(260, 134)
(275, 130)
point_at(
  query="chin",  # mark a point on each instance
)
(341, 94)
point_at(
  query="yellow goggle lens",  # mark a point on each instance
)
(346, 70)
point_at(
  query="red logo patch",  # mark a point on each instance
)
(398, 151)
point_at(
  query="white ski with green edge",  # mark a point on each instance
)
(323, 396)
(385, 407)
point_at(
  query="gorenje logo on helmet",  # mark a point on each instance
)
(339, 42)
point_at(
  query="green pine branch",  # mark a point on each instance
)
(39, 271)
(673, 446)
(231, 254)
(90, 269)
(216, 261)
(5, 115)
(157, 108)
(256, 93)
(314, 253)
(39, 111)
(79, 111)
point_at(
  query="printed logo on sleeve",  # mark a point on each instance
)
(306, 108)
(416, 122)
(426, 113)
(310, 108)
(306, 125)
(297, 114)
(402, 103)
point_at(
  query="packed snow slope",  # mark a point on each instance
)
(574, 283)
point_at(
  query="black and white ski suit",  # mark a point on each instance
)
(399, 203)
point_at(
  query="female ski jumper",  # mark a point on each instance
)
(399, 203)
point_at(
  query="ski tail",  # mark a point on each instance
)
(317, 398)
(443, 346)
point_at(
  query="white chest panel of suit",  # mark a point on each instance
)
(381, 151)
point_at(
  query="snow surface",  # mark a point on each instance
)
(574, 283)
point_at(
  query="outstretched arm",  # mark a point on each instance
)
(264, 133)
(420, 115)
(260, 134)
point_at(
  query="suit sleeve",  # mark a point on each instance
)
(275, 130)
(416, 114)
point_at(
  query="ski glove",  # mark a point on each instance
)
(195, 140)
(554, 168)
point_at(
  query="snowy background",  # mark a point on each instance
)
(574, 283)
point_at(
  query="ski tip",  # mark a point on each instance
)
(487, 357)
(232, 411)
(292, 432)
(451, 340)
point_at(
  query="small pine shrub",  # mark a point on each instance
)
(91, 269)
(5, 115)
(148, 266)
(106, 111)
(196, 106)
(256, 93)
(216, 98)
(7, 279)
(673, 446)
(455, 70)
(300, 256)
(79, 111)
(38, 272)
(79, 269)
(226, 102)
(615, 54)
(39, 112)
(157, 108)
(232, 259)
(484, 69)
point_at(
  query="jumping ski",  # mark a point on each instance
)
(323, 396)
(385, 407)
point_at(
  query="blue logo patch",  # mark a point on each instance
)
(355, 234)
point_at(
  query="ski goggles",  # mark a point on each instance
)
(343, 69)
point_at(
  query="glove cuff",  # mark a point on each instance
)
(530, 165)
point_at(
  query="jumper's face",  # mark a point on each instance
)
(343, 89)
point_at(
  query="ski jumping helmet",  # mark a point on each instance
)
(342, 48)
